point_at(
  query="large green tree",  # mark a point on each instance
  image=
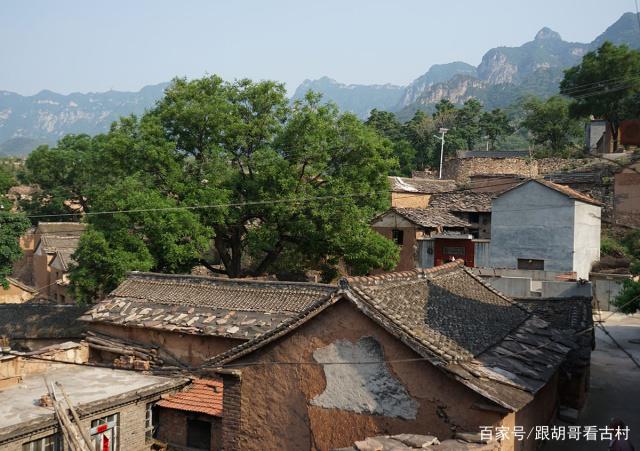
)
(550, 124)
(232, 176)
(386, 123)
(602, 84)
(12, 227)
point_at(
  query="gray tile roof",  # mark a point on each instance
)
(417, 185)
(453, 319)
(20, 321)
(431, 217)
(53, 243)
(202, 305)
(61, 228)
(64, 258)
(461, 201)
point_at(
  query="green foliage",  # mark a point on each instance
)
(611, 247)
(494, 125)
(7, 179)
(280, 185)
(12, 227)
(603, 83)
(628, 300)
(550, 124)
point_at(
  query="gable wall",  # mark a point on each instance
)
(533, 221)
(285, 406)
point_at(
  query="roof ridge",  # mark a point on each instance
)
(159, 277)
(396, 275)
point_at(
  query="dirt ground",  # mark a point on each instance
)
(615, 383)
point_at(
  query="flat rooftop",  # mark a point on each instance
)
(83, 384)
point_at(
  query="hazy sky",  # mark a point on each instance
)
(80, 45)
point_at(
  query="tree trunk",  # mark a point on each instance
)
(614, 134)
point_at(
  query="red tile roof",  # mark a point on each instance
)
(202, 396)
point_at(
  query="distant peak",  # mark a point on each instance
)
(546, 34)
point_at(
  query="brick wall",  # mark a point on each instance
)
(231, 406)
(131, 427)
(172, 427)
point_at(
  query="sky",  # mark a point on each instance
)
(92, 46)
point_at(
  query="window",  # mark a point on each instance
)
(150, 421)
(529, 263)
(474, 217)
(104, 433)
(198, 434)
(48, 443)
(397, 236)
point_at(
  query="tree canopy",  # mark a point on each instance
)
(550, 124)
(602, 84)
(229, 175)
(12, 227)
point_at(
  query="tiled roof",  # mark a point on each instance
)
(562, 189)
(417, 185)
(453, 319)
(463, 201)
(20, 321)
(61, 228)
(431, 217)
(567, 191)
(64, 258)
(201, 396)
(236, 308)
(21, 285)
(53, 243)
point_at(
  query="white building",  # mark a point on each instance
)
(540, 225)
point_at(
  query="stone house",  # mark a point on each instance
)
(116, 407)
(435, 351)
(193, 318)
(541, 225)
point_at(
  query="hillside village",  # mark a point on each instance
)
(235, 271)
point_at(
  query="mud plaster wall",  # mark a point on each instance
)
(409, 200)
(277, 411)
(191, 349)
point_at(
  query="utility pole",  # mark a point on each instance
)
(441, 138)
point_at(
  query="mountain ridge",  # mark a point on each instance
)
(503, 75)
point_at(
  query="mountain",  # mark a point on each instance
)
(504, 74)
(357, 99)
(438, 73)
(27, 121)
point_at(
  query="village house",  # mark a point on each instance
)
(541, 225)
(190, 319)
(450, 226)
(49, 280)
(599, 138)
(432, 351)
(116, 408)
(627, 195)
